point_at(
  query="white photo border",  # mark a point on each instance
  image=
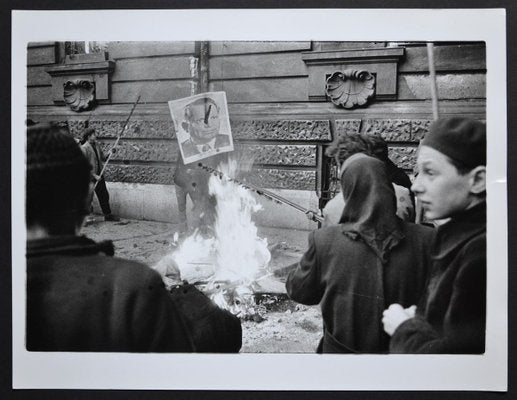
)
(33, 370)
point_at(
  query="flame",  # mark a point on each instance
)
(235, 254)
(240, 253)
(194, 258)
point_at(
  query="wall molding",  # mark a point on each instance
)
(93, 68)
(380, 62)
(475, 108)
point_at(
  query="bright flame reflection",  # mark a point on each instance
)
(235, 254)
(240, 253)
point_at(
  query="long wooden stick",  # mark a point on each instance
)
(432, 77)
(116, 142)
(263, 192)
(436, 115)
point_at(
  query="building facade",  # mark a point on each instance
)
(287, 101)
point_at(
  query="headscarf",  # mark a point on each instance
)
(370, 205)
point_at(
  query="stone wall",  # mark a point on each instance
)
(267, 87)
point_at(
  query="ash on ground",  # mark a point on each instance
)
(282, 326)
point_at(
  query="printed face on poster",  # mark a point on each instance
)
(202, 125)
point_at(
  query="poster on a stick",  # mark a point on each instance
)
(202, 125)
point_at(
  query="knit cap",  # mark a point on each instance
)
(58, 173)
(50, 147)
(461, 139)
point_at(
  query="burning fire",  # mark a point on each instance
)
(235, 258)
(241, 254)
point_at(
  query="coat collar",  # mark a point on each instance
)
(459, 230)
(68, 244)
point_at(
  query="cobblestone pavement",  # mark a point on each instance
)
(288, 327)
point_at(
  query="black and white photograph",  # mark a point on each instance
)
(300, 200)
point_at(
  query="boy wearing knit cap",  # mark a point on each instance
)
(451, 183)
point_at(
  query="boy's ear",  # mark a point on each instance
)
(478, 180)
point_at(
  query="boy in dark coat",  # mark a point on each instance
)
(355, 269)
(450, 184)
(79, 297)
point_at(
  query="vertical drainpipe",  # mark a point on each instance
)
(199, 69)
(193, 75)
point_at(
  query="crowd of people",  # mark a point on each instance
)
(384, 283)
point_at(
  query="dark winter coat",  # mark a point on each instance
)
(79, 299)
(354, 287)
(95, 156)
(451, 317)
(356, 269)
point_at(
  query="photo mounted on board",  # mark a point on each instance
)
(202, 125)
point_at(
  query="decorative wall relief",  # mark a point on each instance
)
(282, 129)
(381, 62)
(419, 128)
(276, 154)
(79, 94)
(136, 128)
(350, 88)
(391, 130)
(79, 78)
(283, 178)
(344, 127)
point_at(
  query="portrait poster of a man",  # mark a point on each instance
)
(202, 125)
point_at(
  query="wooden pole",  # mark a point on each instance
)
(432, 78)
(116, 142)
(436, 114)
(203, 67)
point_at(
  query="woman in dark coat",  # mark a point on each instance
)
(368, 261)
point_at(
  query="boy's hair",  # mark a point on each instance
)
(347, 145)
(379, 147)
(57, 180)
(86, 134)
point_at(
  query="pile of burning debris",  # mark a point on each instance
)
(231, 266)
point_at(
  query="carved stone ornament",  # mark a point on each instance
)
(79, 94)
(380, 62)
(350, 88)
(80, 77)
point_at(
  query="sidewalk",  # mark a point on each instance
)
(290, 328)
(149, 241)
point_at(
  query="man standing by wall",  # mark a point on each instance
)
(96, 157)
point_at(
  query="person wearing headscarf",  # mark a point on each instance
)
(358, 267)
(451, 184)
